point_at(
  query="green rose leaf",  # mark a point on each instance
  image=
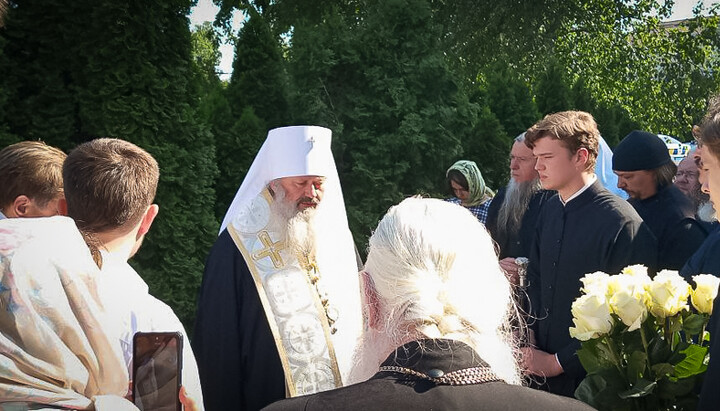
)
(589, 388)
(636, 366)
(675, 323)
(693, 324)
(601, 390)
(631, 341)
(589, 359)
(692, 364)
(642, 388)
(662, 369)
(592, 358)
(671, 389)
(658, 350)
(678, 353)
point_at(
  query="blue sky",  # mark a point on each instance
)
(206, 11)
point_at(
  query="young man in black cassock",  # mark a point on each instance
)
(583, 229)
(645, 171)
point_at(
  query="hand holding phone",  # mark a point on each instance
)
(157, 365)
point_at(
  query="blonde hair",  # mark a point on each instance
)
(436, 274)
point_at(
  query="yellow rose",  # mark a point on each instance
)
(595, 283)
(639, 271)
(668, 294)
(591, 316)
(705, 292)
(628, 299)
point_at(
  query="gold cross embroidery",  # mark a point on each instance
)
(271, 250)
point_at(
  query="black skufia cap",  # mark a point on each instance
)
(640, 150)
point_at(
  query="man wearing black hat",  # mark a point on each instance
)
(645, 171)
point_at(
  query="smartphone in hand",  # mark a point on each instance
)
(157, 365)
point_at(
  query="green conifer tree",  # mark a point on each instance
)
(6, 138)
(123, 69)
(39, 67)
(257, 99)
(552, 93)
(258, 79)
(380, 81)
(510, 99)
(613, 121)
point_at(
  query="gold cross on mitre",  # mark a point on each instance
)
(271, 249)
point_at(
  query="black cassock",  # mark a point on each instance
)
(238, 361)
(400, 391)
(707, 261)
(671, 217)
(596, 231)
(517, 245)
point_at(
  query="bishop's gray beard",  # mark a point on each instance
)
(516, 202)
(295, 227)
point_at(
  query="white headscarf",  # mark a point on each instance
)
(305, 151)
(58, 344)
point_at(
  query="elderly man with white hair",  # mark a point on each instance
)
(279, 307)
(438, 308)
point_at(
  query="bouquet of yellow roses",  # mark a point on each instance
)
(642, 345)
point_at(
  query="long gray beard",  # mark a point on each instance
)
(516, 202)
(295, 227)
(301, 233)
(706, 212)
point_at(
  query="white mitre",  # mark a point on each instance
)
(290, 152)
(305, 151)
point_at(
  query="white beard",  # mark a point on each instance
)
(296, 228)
(516, 202)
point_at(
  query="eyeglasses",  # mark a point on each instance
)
(521, 159)
(687, 174)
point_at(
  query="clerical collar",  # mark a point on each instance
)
(593, 179)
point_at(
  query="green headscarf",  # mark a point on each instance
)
(479, 192)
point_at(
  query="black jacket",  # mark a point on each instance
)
(596, 231)
(397, 391)
(671, 217)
